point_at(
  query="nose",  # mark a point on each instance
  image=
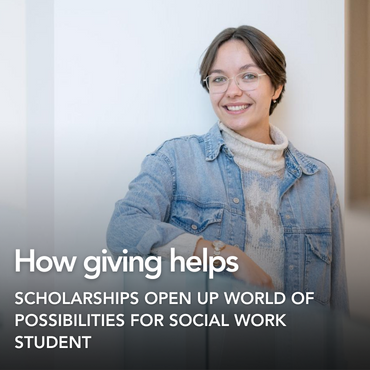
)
(233, 89)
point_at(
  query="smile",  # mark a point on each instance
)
(237, 108)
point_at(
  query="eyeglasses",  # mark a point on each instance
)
(246, 81)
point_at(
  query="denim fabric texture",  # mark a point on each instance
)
(192, 184)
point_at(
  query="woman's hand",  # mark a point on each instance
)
(248, 271)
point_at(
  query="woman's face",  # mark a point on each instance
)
(247, 113)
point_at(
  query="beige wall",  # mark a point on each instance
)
(357, 215)
(357, 100)
(357, 235)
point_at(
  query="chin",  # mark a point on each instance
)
(237, 126)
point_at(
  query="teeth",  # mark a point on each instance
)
(237, 107)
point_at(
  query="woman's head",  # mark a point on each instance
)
(266, 57)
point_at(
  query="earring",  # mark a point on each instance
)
(274, 101)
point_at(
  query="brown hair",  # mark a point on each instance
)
(262, 50)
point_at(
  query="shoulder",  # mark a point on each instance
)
(180, 142)
(308, 164)
(205, 146)
(314, 171)
(178, 152)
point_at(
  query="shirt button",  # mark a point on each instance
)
(291, 267)
(194, 227)
(236, 245)
(236, 200)
(287, 216)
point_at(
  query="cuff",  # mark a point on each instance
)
(184, 244)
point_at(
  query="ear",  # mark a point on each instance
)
(277, 92)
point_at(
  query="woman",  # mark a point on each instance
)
(241, 189)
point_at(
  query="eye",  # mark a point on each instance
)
(249, 76)
(218, 79)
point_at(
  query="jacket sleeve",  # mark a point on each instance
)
(339, 291)
(140, 220)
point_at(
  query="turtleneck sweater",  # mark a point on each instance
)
(262, 169)
(253, 155)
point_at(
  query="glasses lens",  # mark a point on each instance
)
(217, 83)
(247, 81)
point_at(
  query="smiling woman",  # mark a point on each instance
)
(242, 103)
(242, 189)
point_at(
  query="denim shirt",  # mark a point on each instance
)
(192, 184)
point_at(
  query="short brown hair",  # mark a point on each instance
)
(262, 49)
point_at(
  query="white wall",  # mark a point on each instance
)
(13, 135)
(13, 104)
(126, 79)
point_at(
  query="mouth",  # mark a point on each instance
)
(236, 108)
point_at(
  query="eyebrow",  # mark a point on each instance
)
(240, 69)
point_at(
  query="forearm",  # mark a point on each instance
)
(138, 234)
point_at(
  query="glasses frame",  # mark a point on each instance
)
(259, 75)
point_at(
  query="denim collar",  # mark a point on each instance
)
(296, 162)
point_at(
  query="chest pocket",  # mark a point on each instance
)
(318, 266)
(197, 218)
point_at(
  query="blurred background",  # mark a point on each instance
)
(357, 168)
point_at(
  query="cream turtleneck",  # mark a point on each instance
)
(253, 155)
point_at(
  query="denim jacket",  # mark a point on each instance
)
(192, 184)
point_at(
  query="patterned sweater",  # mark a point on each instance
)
(262, 167)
